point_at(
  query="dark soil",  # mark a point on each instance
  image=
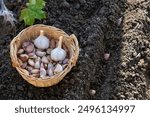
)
(99, 29)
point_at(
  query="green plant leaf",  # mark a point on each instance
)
(33, 11)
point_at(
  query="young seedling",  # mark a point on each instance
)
(33, 11)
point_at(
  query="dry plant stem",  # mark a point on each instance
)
(8, 15)
(60, 41)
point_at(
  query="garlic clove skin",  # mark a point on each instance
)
(44, 59)
(25, 44)
(41, 42)
(65, 61)
(29, 48)
(40, 53)
(50, 72)
(31, 62)
(29, 68)
(20, 51)
(23, 57)
(58, 54)
(24, 65)
(50, 65)
(58, 69)
(35, 71)
(42, 72)
(48, 51)
(37, 65)
(35, 75)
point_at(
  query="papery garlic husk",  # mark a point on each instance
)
(23, 57)
(58, 54)
(41, 42)
(42, 72)
(58, 69)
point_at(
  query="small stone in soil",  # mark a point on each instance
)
(141, 62)
(65, 4)
(92, 92)
(106, 56)
(123, 64)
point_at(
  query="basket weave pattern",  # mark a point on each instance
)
(31, 33)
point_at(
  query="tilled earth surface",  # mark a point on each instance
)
(118, 27)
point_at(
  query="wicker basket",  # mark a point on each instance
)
(51, 32)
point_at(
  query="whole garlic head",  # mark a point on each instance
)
(41, 42)
(58, 54)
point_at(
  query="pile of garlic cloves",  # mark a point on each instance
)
(43, 57)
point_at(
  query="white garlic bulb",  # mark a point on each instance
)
(58, 54)
(41, 42)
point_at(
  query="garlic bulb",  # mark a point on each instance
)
(41, 42)
(58, 54)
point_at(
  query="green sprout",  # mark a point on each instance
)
(33, 11)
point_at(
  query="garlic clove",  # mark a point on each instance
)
(41, 42)
(20, 62)
(42, 72)
(49, 59)
(20, 51)
(25, 44)
(64, 66)
(45, 66)
(58, 54)
(24, 65)
(65, 61)
(50, 65)
(40, 53)
(35, 75)
(37, 65)
(35, 71)
(44, 59)
(31, 62)
(58, 69)
(42, 65)
(50, 72)
(29, 68)
(23, 57)
(48, 51)
(29, 48)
